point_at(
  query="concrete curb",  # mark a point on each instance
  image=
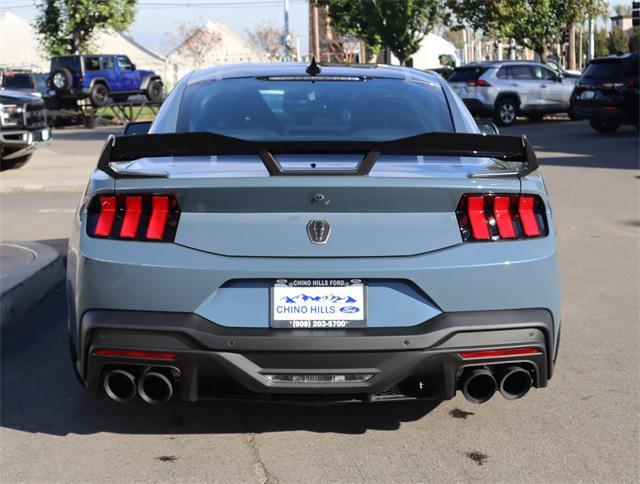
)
(30, 270)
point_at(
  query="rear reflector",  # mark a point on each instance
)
(149, 355)
(470, 355)
(140, 217)
(501, 216)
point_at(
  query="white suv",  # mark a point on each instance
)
(506, 89)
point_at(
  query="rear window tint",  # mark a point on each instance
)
(72, 63)
(263, 110)
(464, 74)
(17, 81)
(605, 69)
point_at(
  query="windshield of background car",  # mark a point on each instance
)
(610, 69)
(17, 81)
(263, 110)
(464, 74)
(72, 63)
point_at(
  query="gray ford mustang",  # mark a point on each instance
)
(314, 233)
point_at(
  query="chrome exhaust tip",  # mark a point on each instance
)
(155, 388)
(478, 385)
(120, 385)
(515, 383)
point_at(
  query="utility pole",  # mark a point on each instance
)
(314, 39)
(572, 47)
(592, 42)
(286, 37)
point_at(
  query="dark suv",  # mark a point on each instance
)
(99, 77)
(607, 92)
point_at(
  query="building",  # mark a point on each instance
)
(624, 22)
(209, 45)
(19, 47)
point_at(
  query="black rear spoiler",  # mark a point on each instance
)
(501, 148)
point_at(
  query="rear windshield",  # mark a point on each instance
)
(17, 81)
(72, 63)
(464, 74)
(610, 69)
(262, 110)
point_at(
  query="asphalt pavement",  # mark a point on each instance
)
(583, 427)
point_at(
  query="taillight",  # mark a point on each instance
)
(501, 217)
(152, 217)
(478, 83)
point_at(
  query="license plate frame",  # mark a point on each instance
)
(343, 295)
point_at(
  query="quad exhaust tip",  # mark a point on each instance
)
(155, 388)
(120, 385)
(478, 385)
(515, 382)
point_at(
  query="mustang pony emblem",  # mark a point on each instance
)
(318, 231)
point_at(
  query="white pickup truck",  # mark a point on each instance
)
(23, 126)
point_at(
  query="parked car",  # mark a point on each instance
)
(25, 81)
(355, 238)
(607, 92)
(23, 125)
(507, 89)
(99, 77)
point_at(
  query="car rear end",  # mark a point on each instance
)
(224, 278)
(476, 85)
(608, 90)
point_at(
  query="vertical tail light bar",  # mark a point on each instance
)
(501, 217)
(132, 212)
(106, 214)
(158, 220)
(142, 217)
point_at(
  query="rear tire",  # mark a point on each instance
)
(62, 79)
(99, 95)
(602, 127)
(506, 112)
(154, 90)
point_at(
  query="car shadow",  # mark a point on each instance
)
(39, 394)
(561, 142)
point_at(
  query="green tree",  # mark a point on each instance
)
(634, 40)
(398, 25)
(618, 41)
(535, 24)
(68, 26)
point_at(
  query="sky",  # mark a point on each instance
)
(157, 21)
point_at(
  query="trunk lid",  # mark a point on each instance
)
(241, 211)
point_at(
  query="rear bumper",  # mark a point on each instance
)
(215, 362)
(477, 107)
(615, 113)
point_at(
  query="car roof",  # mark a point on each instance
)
(296, 69)
(501, 63)
(616, 57)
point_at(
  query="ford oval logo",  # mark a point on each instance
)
(349, 309)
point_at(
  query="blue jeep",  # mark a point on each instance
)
(99, 77)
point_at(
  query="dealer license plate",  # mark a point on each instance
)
(318, 303)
